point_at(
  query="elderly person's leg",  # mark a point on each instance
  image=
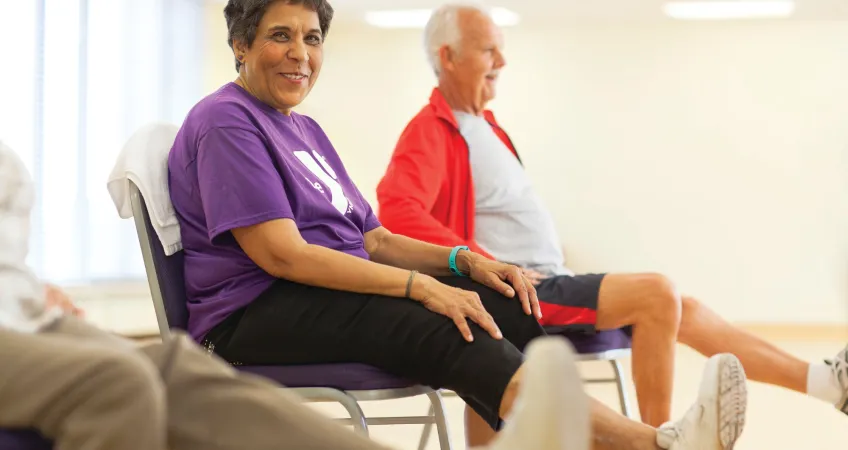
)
(632, 299)
(211, 406)
(706, 332)
(598, 301)
(293, 323)
(82, 393)
(653, 310)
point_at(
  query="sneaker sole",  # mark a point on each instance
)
(733, 400)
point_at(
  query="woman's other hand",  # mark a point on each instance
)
(508, 280)
(457, 304)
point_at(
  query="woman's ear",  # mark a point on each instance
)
(240, 50)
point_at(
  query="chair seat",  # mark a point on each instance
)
(600, 342)
(23, 440)
(345, 377)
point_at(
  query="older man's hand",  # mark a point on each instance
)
(56, 298)
(534, 277)
(507, 279)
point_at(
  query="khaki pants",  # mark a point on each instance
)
(89, 390)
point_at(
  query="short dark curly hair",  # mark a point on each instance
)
(243, 17)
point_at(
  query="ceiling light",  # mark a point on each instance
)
(719, 10)
(417, 18)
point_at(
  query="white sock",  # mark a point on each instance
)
(822, 384)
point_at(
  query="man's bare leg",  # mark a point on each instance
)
(625, 299)
(714, 422)
(612, 431)
(707, 333)
(564, 397)
(652, 306)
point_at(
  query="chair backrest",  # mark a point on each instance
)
(165, 274)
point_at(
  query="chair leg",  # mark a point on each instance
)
(357, 417)
(428, 427)
(438, 409)
(622, 390)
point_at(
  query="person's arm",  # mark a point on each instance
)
(278, 248)
(409, 189)
(400, 251)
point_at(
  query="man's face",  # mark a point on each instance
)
(475, 66)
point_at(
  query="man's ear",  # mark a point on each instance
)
(447, 57)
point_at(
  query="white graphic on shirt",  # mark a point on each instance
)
(328, 176)
(316, 185)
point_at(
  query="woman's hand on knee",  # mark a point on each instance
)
(457, 304)
(509, 280)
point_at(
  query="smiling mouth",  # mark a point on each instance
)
(295, 76)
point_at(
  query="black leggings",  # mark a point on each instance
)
(292, 323)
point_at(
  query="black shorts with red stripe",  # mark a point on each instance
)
(570, 303)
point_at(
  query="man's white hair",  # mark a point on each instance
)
(443, 29)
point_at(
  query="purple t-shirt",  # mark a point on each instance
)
(238, 162)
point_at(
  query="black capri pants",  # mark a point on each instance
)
(292, 323)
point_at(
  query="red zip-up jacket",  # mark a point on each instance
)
(427, 192)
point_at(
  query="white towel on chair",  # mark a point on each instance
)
(144, 161)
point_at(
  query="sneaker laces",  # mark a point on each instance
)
(839, 366)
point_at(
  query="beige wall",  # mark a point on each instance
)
(714, 153)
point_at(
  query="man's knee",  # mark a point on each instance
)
(126, 379)
(662, 302)
(691, 312)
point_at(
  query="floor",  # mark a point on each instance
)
(777, 419)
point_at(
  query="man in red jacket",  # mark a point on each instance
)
(455, 179)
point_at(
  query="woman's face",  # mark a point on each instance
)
(284, 61)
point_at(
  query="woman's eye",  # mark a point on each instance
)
(312, 39)
(280, 35)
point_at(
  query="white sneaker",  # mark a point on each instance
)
(839, 366)
(717, 418)
(552, 410)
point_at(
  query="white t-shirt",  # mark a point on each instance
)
(22, 306)
(511, 223)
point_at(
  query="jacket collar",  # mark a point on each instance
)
(444, 111)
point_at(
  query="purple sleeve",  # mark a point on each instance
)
(371, 221)
(239, 184)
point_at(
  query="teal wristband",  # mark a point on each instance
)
(452, 261)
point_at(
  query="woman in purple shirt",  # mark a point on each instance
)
(286, 263)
